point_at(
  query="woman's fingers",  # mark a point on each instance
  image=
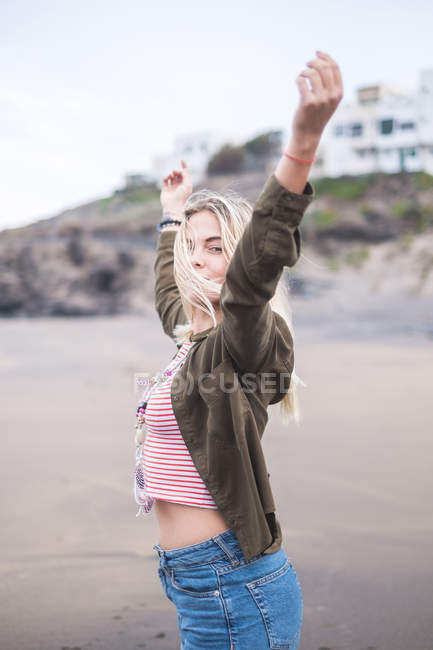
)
(315, 80)
(325, 78)
(324, 70)
(176, 176)
(320, 102)
(184, 167)
(336, 73)
(303, 87)
(173, 178)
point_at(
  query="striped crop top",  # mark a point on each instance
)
(169, 470)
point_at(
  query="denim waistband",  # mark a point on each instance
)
(226, 543)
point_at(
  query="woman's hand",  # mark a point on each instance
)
(318, 104)
(176, 188)
(313, 113)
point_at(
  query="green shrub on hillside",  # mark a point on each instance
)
(423, 218)
(417, 217)
(323, 218)
(365, 209)
(142, 196)
(357, 256)
(426, 212)
(401, 208)
(422, 180)
(102, 203)
(348, 187)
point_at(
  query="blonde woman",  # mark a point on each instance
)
(219, 294)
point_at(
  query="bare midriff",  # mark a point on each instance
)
(183, 525)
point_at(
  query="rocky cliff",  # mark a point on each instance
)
(98, 258)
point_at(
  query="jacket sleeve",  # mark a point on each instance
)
(270, 241)
(168, 302)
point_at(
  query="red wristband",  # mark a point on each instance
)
(301, 160)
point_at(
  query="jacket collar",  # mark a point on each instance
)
(201, 335)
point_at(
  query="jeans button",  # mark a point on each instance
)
(216, 592)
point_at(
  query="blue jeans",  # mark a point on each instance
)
(225, 601)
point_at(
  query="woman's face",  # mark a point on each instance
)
(206, 249)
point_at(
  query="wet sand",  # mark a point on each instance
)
(353, 486)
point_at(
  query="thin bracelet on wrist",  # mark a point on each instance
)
(301, 160)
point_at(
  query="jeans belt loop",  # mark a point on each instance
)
(161, 554)
(227, 550)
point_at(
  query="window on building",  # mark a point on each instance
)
(187, 148)
(355, 129)
(339, 129)
(386, 126)
(406, 126)
(203, 146)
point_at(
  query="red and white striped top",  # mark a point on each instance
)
(169, 470)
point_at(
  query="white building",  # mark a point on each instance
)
(195, 148)
(387, 130)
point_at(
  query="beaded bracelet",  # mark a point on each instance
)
(167, 222)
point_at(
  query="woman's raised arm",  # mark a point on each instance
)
(272, 240)
(176, 188)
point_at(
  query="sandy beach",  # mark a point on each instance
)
(353, 486)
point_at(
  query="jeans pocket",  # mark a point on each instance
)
(198, 581)
(279, 598)
(164, 580)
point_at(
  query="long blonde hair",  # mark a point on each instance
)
(233, 213)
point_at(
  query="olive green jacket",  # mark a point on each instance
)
(235, 370)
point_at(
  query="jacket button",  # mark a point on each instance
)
(175, 397)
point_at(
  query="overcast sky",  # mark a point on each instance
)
(91, 90)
